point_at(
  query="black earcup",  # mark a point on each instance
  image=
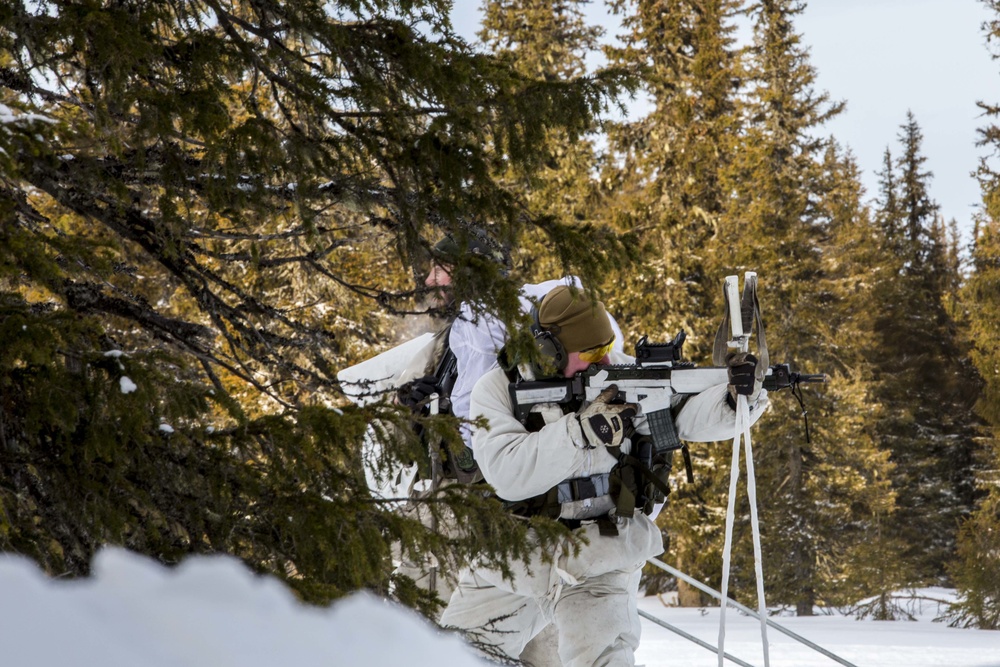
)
(549, 347)
(552, 350)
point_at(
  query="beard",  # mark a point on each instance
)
(435, 311)
(439, 303)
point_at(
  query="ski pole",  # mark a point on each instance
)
(746, 610)
(692, 638)
(742, 315)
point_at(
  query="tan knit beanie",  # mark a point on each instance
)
(574, 319)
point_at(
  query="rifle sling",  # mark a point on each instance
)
(688, 468)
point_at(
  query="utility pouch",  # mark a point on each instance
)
(640, 478)
(656, 493)
(585, 497)
(463, 467)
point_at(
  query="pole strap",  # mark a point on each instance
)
(751, 321)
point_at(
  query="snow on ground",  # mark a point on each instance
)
(213, 612)
(207, 612)
(920, 643)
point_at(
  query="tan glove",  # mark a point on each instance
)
(604, 423)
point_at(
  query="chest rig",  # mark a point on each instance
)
(637, 481)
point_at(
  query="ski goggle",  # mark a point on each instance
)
(592, 355)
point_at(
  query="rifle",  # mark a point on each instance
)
(461, 465)
(657, 375)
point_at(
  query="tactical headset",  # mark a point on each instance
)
(549, 347)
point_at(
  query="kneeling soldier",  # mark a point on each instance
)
(572, 462)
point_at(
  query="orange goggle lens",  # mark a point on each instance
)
(595, 354)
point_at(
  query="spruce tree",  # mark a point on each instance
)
(921, 367)
(663, 185)
(550, 40)
(236, 196)
(796, 218)
(664, 178)
(855, 548)
(976, 568)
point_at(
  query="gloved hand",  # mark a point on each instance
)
(742, 368)
(603, 422)
(414, 394)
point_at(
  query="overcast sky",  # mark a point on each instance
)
(884, 57)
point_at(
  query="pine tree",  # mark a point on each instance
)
(796, 218)
(976, 568)
(550, 40)
(665, 175)
(235, 195)
(921, 369)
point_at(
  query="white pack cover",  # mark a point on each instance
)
(368, 382)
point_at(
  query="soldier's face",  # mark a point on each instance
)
(574, 364)
(439, 280)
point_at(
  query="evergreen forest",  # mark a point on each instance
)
(210, 207)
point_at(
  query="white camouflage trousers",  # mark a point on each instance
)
(595, 619)
(540, 651)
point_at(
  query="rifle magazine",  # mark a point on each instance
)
(663, 431)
